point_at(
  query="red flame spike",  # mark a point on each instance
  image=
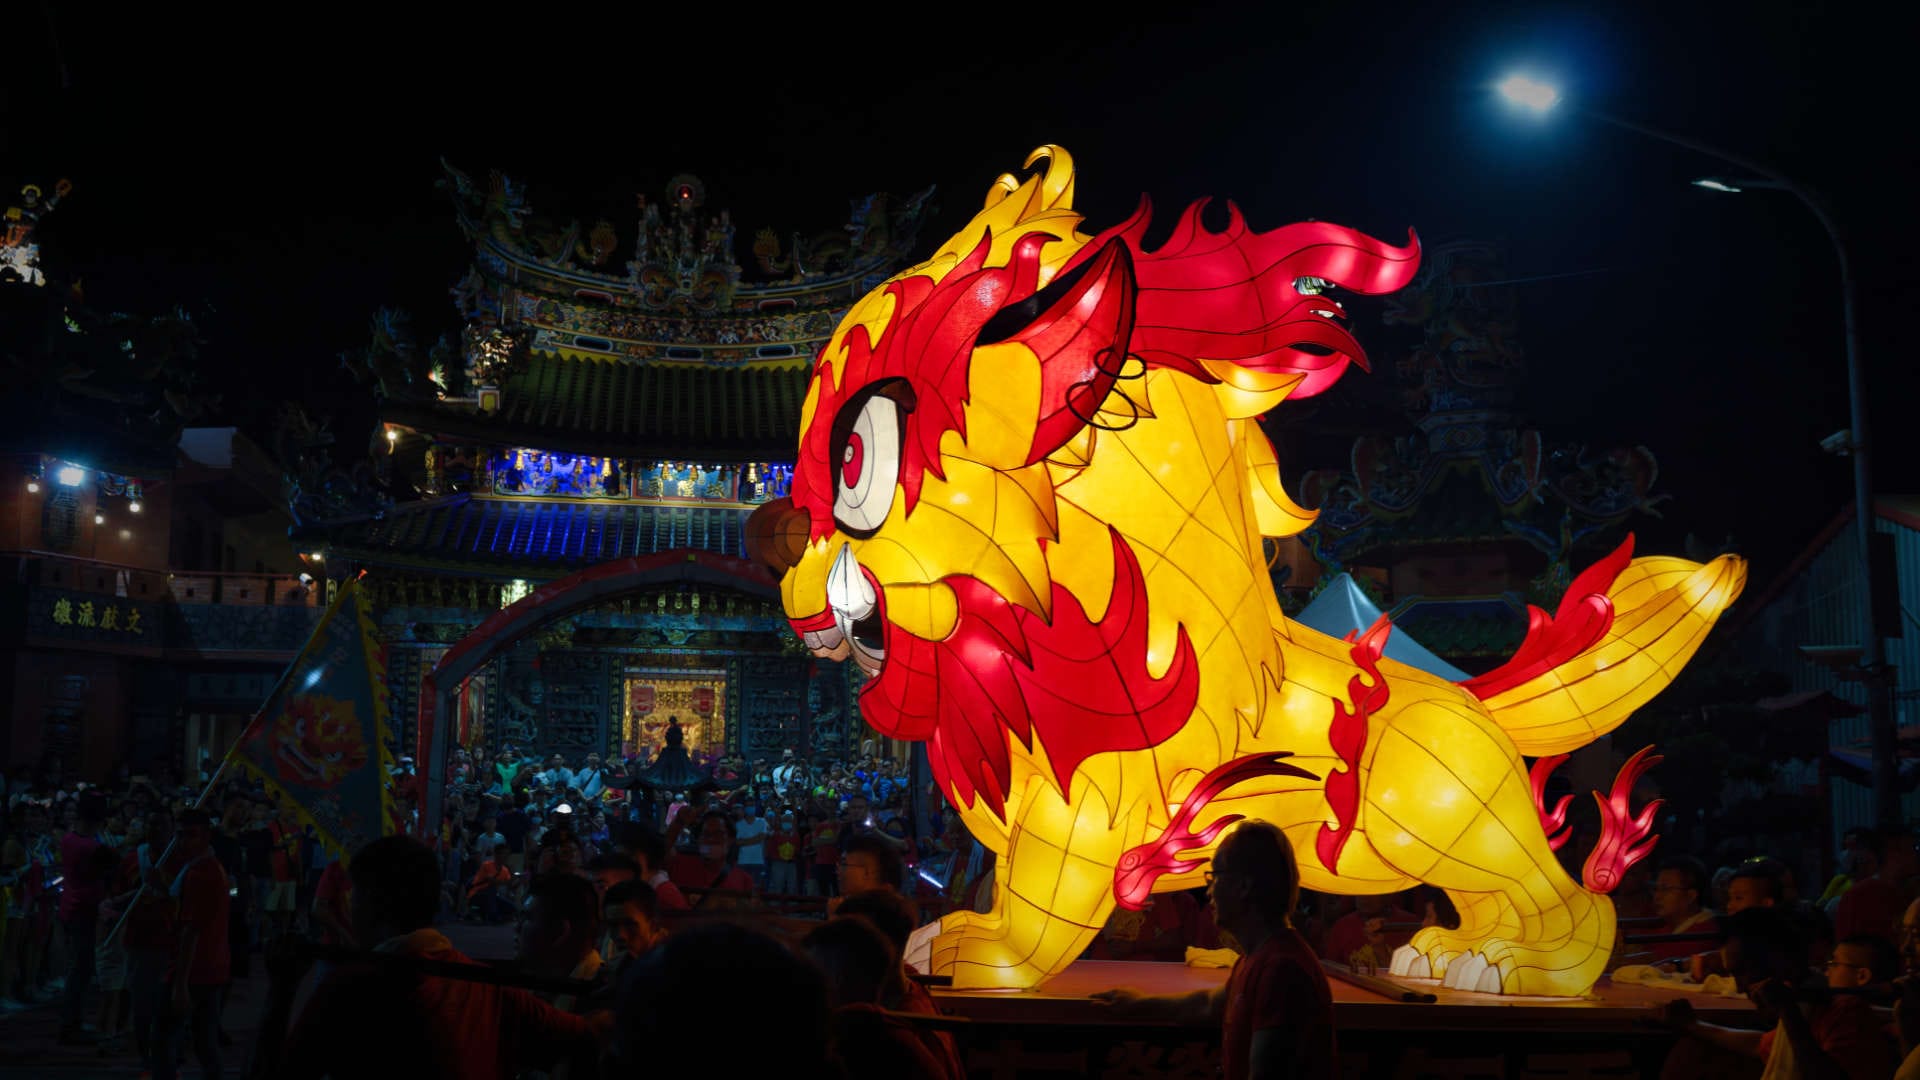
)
(1348, 736)
(1625, 837)
(1552, 822)
(1133, 879)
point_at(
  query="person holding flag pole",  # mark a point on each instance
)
(319, 742)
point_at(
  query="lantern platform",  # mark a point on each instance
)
(1055, 1028)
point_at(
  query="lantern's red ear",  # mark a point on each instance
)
(1078, 326)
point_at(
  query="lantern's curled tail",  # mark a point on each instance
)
(1623, 630)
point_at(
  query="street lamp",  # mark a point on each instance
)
(1527, 92)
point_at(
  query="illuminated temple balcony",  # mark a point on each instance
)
(496, 536)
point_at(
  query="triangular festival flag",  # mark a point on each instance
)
(320, 742)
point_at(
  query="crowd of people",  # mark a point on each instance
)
(138, 904)
(642, 914)
(787, 825)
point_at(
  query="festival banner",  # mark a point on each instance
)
(320, 742)
(640, 698)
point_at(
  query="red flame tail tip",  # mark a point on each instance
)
(1625, 837)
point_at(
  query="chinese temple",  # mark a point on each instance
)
(1453, 529)
(614, 395)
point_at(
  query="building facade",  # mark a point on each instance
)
(612, 395)
(1806, 627)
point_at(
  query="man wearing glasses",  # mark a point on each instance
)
(1677, 893)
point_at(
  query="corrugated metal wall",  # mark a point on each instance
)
(1825, 605)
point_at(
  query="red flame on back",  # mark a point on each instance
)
(1348, 735)
(1584, 617)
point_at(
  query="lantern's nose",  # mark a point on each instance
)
(777, 536)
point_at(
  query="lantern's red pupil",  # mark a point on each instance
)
(852, 460)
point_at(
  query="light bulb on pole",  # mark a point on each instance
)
(1873, 671)
(1529, 93)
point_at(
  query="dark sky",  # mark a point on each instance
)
(277, 178)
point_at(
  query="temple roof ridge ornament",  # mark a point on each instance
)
(680, 259)
(19, 252)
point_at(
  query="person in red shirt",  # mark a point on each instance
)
(371, 1020)
(83, 888)
(783, 856)
(860, 964)
(711, 868)
(1841, 1036)
(649, 849)
(332, 911)
(895, 916)
(825, 834)
(1874, 905)
(1276, 1010)
(200, 960)
(490, 886)
(149, 929)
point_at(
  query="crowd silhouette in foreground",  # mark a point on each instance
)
(644, 933)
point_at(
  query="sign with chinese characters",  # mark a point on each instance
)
(93, 618)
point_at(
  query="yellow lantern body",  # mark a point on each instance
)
(1030, 501)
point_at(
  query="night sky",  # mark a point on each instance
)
(276, 178)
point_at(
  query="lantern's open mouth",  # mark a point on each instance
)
(854, 624)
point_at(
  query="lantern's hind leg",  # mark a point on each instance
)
(1052, 892)
(1448, 802)
(1434, 948)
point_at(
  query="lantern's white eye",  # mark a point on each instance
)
(867, 443)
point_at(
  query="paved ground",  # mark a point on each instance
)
(29, 1039)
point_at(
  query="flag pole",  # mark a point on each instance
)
(227, 758)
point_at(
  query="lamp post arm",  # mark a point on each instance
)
(1882, 721)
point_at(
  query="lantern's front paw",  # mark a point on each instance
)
(971, 949)
(1428, 956)
(1506, 967)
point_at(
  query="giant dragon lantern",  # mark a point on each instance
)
(1029, 502)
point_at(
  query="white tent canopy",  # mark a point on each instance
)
(1342, 608)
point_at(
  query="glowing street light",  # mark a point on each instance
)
(1529, 92)
(1872, 668)
(71, 476)
(134, 506)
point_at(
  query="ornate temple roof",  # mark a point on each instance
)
(675, 289)
(682, 354)
(630, 348)
(632, 410)
(535, 537)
